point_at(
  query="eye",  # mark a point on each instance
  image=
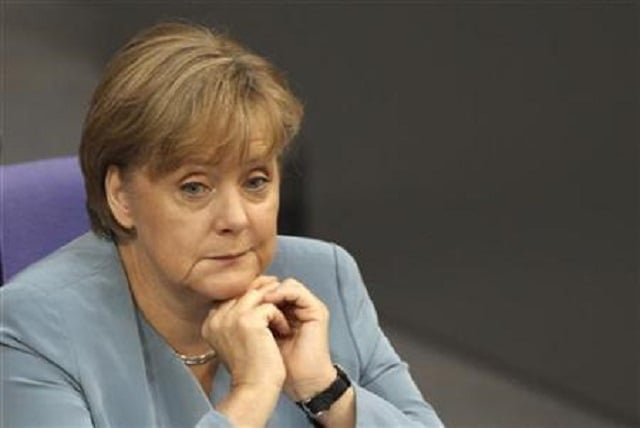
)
(257, 183)
(193, 188)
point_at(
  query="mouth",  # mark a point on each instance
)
(229, 256)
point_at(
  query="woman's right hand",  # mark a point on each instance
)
(240, 331)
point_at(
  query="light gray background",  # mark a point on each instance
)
(478, 158)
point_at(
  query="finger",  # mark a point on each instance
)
(261, 281)
(253, 297)
(298, 299)
(216, 314)
(222, 306)
(274, 318)
(293, 292)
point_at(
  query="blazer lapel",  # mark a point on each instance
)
(134, 379)
(110, 358)
(180, 401)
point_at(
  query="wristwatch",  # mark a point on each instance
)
(321, 402)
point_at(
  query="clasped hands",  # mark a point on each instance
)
(273, 338)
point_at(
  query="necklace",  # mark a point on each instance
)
(196, 360)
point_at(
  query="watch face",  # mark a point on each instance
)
(321, 404)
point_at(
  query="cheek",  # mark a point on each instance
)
(157, 228)
(268, 218)
(172, 234)
(266, 229)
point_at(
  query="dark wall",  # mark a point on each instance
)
(482, 164)
(478, 158)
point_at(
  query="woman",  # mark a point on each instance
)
(183, 307)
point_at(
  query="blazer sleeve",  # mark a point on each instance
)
(385, 393)
(36, 392)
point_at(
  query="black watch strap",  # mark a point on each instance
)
(323, 401)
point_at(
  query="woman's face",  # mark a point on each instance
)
(209, 228)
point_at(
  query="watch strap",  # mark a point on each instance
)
(321, 402)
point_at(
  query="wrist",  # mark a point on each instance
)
(341, 413)
(329, 401)
(249, 405)
(306, 389)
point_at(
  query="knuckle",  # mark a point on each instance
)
(294, 283)
(251, 293)
(245, 322)
(225, 323)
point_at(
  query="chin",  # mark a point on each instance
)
(226, 287)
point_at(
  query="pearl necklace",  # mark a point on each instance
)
(196, 360)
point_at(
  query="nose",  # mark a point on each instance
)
(230, 215)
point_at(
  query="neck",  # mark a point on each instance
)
(176, 313)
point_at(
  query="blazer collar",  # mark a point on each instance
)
(176, 392)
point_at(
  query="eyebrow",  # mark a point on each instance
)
(201, 162)
(259, 152)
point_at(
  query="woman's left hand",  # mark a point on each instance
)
(305, 351)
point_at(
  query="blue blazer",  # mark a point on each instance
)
(76, 352)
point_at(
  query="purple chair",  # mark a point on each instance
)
(42, 208)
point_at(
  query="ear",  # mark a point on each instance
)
(118, 197)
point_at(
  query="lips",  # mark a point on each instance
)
(230, 255)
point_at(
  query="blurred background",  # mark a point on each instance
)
(478, 158)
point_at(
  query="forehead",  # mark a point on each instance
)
(213, 154)
(255, 150)
(215, 133)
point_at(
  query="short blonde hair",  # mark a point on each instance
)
(173, 91)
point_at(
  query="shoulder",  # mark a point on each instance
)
(44, 305)
(300, 247)
(325, 267)
(81, 259)
(309, 255)
(84, 271)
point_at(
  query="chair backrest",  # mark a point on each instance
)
(42, 208)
